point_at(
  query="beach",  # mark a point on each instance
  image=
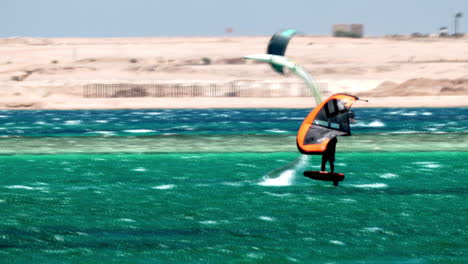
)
(51, 73)
(69, 103)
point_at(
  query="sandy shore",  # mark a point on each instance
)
(404, 72)
(227, 102)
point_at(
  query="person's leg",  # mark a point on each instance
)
(324, 161)
(332, 165)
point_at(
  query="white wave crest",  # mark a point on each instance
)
(266, 218)
(410, 114)
(164, 187)
(388, 176)
(428, 164)
(376, 123)
(136, 131)
(24, 187)
(373, 229)
(126, 220)
(337, 242)
(371, 185)
(277, 131)
(107, 133)
(72, 122)
(208, 222)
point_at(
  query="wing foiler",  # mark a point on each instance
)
(329, 119)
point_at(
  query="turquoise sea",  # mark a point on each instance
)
(226, 186)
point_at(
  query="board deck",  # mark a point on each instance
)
(324, 176)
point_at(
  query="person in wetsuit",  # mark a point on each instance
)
(329, 154)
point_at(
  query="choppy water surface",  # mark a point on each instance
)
(218, 121)
(198, 186)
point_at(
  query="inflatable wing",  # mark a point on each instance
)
(278, 44)
(329, 119)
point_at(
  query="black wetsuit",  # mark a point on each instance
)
(329, 154)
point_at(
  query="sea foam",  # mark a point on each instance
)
(337, 242)
(140, 169)
(428, 164)
(388, 176)
(285, 179)
(375, 123)
(24, 187)
(164, 187)
(72, 122)
(371, 185)
(266, 218)
(136, 131)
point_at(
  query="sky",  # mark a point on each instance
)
(140, 18)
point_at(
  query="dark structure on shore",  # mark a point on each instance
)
(348, 30)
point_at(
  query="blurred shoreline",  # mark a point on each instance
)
(50, 73)
(64, 103)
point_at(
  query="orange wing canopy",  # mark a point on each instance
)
(329, 119)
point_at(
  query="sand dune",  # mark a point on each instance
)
(421, 87)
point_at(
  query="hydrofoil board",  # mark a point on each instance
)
(325, 176)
